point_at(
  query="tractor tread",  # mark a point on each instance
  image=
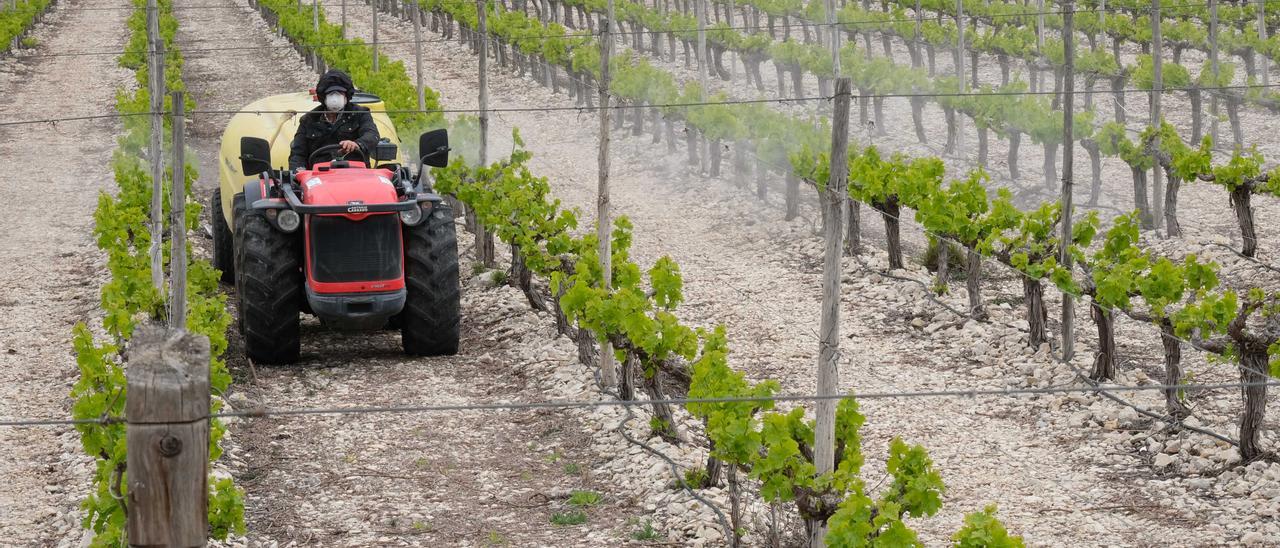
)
(269, 284)
(431, 319)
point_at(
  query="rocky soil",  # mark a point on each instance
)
(51, 268)
(1065, 469)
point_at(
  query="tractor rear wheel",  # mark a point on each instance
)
(223, 239)
(269, 283)
(430, 321)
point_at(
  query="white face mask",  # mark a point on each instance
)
(335, 101)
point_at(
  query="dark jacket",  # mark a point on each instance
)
(314, 131)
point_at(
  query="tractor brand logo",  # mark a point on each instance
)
(357, 206)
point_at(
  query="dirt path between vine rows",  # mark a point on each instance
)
(51, 268)
(1054, 482)
(436, 479)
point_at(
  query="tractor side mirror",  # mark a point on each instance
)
(434, 148)
(255, 155)
(385, 151)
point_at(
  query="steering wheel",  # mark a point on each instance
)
(331, 150)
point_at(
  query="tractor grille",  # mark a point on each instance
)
(343, 250)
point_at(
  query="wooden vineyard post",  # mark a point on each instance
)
(700, 6)
(1262, 37)
(732, 54)
(485, 251)
(1213, 66)
(834, 36)
(1068, 161)
(374, 4)
(829, 329)
(1035, 74)
(316, 63)
(1157, 89)
(916, 59)
(964, 84)
(608, 369)
(704, 67)
(178, 219)
(155, 84)
(167, 438)
(344, 19)
(416, 13)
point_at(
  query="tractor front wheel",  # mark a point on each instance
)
(430, 321)
(269, 283)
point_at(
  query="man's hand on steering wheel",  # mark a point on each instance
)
(332, 152)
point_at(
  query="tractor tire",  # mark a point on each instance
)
(223, 240)
(269, 283)
(431, 320)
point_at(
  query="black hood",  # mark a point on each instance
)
(334, 77)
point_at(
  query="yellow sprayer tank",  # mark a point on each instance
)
(275, 119)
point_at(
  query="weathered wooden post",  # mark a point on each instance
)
(829, 328)
(1157, 90)
(167, 438)
(1068, 161)
(417, 15)
(604, 222)
(178, 218)
(485, 251)
(374, 4)
(964, 84)
(155, 85)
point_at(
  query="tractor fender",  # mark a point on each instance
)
(255, 196)
(430, 197)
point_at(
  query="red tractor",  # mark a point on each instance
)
(358, 247)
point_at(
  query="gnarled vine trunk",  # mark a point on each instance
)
(1051, 165)
(917, 118)
(1037, 316)
(1140, 198)
(890, 212)
(1095, 169)
(664, 424)
(1253, 375)
(1104, 362)
(1233, 114)
(1240, 203)
(944, 265)
(1171, 225)
(973, 284)
(852, 229)
(1172, 370)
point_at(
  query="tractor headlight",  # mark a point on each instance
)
(288, 220)
(411, 217)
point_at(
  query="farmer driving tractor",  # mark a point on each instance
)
(336, 121)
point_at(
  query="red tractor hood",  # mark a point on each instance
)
(347, 186)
